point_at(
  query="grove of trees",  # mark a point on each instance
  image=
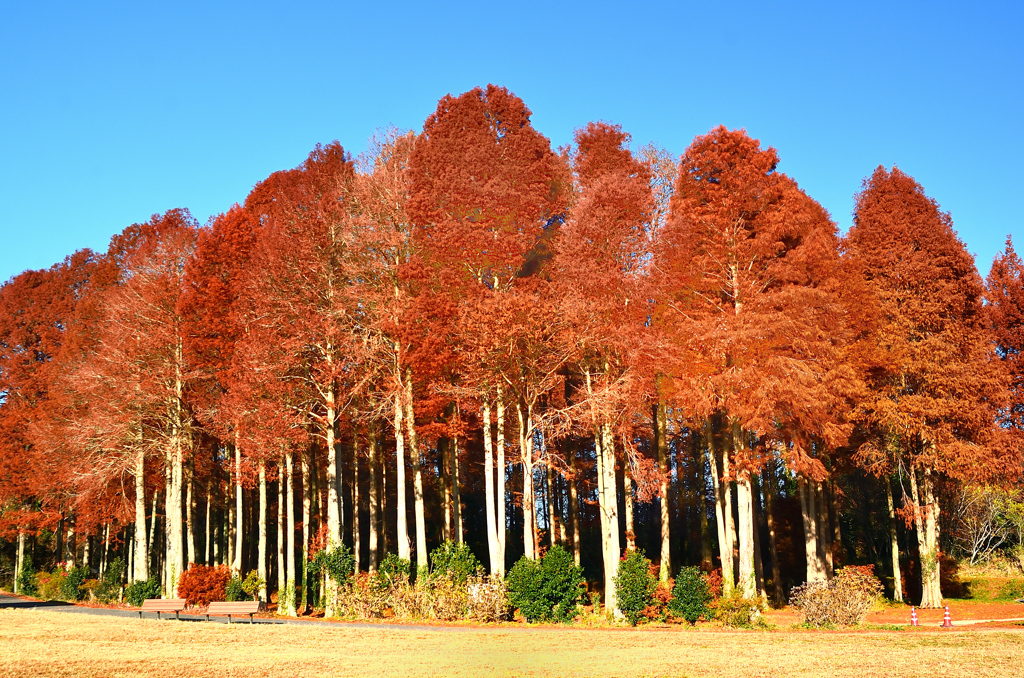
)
(466, 335)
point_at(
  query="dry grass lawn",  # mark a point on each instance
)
(41, 643)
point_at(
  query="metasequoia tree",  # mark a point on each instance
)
(599, 266)
(484, 185)
(1004, 292)
(40, 335)
(213, 305)
(301, 297)
(137, 377)
(744, 263)
(932, 389)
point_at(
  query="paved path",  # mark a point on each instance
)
(13, 602)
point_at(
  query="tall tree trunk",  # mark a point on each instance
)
(289, 606)
(190, 537)
(282, 521)
(756, 519)
(174, 563)
(229, 522)
(502, 489)
(334, 507)
(723, 505)
(140, 571)
(490, 510)
(747, 576)
(702, 471)
(553, 521)
(529, 502)
(150, 544)
(334, 496)
(236, 563)
(574, 505)
(417, 480)
(374, 468)
(925, 520)
(208, 530)
(627, 493)
(307, 514)
(262, 567)
(106, 549)
(809, 514)
(357, 545)
(894, 547)
(610, 511)
(661, 452)
(824, 528)
(445, 463)
(769, 500)
(402, 522)
(21, 560)
(456, 491)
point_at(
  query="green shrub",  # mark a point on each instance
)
(109, 589)
(690, 595)
(138, 592)
(71, 587)
(253, 584)
(201, 584)
(841, 602)
(27, 578)
(739, 612)
(634, 586)
(391, 572)
(49, 585)
(337, 562)
(455, 562)
(233, 591)
(526, 590)
(546, 589)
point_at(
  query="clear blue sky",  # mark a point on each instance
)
(110, 112)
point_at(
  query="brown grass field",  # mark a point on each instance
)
(43, 643)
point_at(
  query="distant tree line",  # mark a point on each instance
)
(463, 334)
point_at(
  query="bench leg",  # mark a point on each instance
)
(250, 617)
(229, 618)
(176, 616)
(158, 614)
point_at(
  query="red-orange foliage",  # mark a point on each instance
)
(201, 585)
(1005, 295)
(747, 267)
(932, 387)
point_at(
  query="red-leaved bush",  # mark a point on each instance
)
(201, 584)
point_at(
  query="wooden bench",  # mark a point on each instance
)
(238, 609)
(159, 605)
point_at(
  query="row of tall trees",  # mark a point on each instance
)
(463, 334)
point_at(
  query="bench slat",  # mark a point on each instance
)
(159, 605)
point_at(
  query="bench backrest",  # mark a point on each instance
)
(240, 607)
(163, 605)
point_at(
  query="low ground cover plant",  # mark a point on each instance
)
(455, 589)
(841, 602)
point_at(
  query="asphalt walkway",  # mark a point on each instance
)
(14, 602)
